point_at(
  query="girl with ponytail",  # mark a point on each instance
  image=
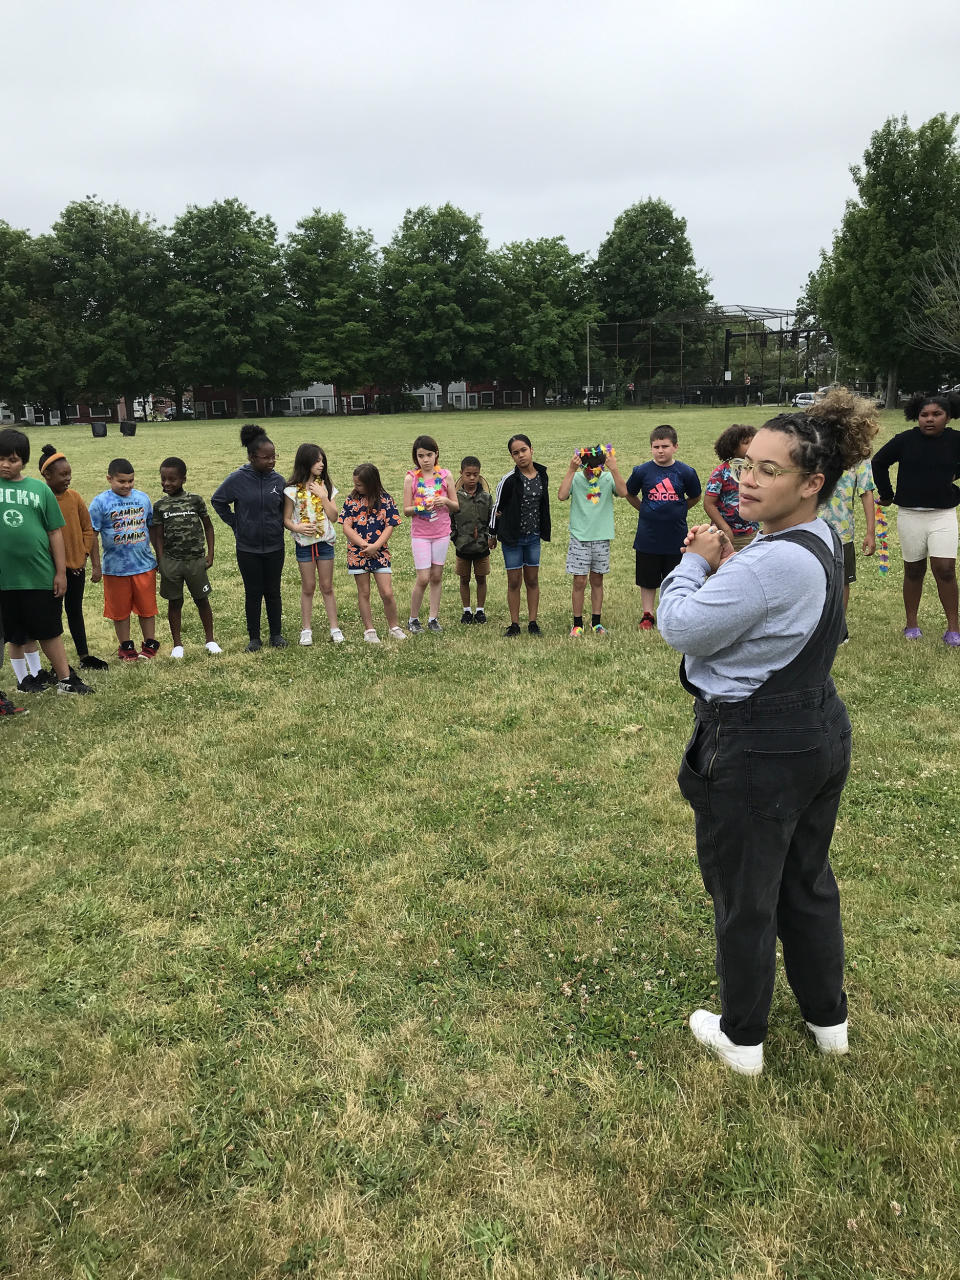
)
(928, 462)
(766, 764)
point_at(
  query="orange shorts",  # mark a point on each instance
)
(136, 593)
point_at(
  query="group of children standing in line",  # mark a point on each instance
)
(47, 534)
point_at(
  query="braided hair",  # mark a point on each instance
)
(835, 433)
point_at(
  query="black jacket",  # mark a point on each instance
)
(251, 503)
(505, 518)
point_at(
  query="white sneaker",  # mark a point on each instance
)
(336, 635)
(212, 647)
(176, 651)
(745, 1059)
(371, 637)
(306, 636)
(398, 633)
(831, 1039)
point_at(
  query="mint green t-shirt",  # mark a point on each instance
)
(592, 521)
(29, 511)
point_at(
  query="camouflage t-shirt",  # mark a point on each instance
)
(181, 519)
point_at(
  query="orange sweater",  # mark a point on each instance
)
(78, 532)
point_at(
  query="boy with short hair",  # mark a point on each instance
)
(182, 536)
(662, 491)
(33, 572)
(122, 516)
(592, 480)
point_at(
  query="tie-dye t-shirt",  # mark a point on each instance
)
(839, 510)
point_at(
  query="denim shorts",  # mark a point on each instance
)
(524, 554)
(315, 551)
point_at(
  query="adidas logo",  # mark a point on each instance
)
(663, 492)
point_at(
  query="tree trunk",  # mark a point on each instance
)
(178, 402)
(443, 394)
(62, 407)
(337, 406)
(539, 392)
(891, 400)
(130, 404)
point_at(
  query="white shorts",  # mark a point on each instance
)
(588, 557)
(927, 533)
(429, 551)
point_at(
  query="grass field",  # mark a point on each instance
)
(369, 962)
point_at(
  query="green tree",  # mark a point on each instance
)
(229, 301)
(110, 271)
(645, 271)
(908, 201)
(439, 299)
(40, 338)
(546, 305)
(332, 277)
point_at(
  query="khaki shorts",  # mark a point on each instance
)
(175, 573)
(927, 533)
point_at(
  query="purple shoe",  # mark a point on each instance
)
(952, 639)
(912, 633)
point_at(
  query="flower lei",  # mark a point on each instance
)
(883, 550)
(593, 474)
(426, 492)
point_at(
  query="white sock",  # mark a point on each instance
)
(19, 668)
(33, 662)
(467, 609)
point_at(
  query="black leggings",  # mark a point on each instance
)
(73, 600)
(261, 576)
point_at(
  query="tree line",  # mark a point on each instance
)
(111, 305)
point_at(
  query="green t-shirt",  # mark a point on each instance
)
(28, 512)
(592, 521)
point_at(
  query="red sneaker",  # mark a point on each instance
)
(149, 649)
(7, 708)
(647, 622)
(127, 652)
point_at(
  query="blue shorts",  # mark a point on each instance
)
(524, 554)
(315, 551)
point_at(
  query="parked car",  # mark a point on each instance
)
(804, 399)
(172, 413)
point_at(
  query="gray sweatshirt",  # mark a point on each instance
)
(749, 619)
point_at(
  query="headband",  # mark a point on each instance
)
(54, 457)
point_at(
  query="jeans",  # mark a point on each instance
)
(764, 779)
(261, 576)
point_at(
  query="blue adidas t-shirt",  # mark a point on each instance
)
(662, 520)
(123, 525)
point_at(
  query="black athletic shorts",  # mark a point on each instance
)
(652, 568)
(30, 615)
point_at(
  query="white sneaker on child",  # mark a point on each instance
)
(176, 651)
(745, 1059)
(398, 633)
(306, 636)
(336, 635)
(831, 1039)
(371, 636)
(212, 647)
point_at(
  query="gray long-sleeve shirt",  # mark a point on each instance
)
(749, 619)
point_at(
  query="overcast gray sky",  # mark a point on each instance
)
(543, 116)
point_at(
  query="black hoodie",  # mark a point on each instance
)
(257, 501)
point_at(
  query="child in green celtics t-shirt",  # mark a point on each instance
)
(592, 480)
(182, 536)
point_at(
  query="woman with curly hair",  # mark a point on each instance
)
(928, 458)
(766, 764)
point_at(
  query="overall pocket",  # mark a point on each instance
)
(780, 784)
(694, 776)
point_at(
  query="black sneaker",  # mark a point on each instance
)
(433, 624)
(466, 618)
(277, 642)
(255, 644)
(46, 678)
(480, 617)
(89, 663)
(7, 708)
(31, 684)
(512, 630)
(534, 629)
(414, 627)
(73, 684)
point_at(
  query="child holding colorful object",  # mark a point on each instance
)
(592, 481)
(468, 526)
(311, 515)
(721, 494)
(428, 498)
(839, 516)
(79, 545)
(928, 459)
